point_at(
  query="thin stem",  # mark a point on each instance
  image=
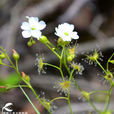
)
(7, 57)
(98, 92)
(71, 74)
(76, 84)
(53, 51)
(29, 85)
(108, 99)
(61, 58)
(29, 100)
(58, 98)
(7, 65)
(16, 62)
(101, 66)
(54, 47)
(52, 65)
(62, 74)
(94, 107)
(69, 103)
(38, 98)
(68, 70)
(109, 61)
(87, 100)
(17, 86)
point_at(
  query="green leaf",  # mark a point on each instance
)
(111, 61)
(11, 80)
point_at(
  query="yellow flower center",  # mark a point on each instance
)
(33, 28)
(65, 84)
(94, 57)
(66, 34)
(77, 67)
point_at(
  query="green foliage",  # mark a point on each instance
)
(6, 84)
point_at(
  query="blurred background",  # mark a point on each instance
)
(94, 22)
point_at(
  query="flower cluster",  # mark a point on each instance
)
(33, 28)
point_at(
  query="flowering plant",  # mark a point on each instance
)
(65, 54)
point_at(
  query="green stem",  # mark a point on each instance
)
(108, 99)
(29, 100)
(38, 98)
(98, 92)
(52, 65)
(87, 100)
(68, 70)
(8, 57)
(16, 62)
(54, 47)
(58, 98)
(68, 98)
(61, 58)
(76, 84)
(15, 86)
(62, 74)
(53, 51)
(101, 66)
(94, 107)
(71, 74)
(7, 65)
(109, 61)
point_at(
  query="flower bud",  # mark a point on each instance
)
(2, 56)
(29, 43)
(44, 39)
(33, 41)
(15, 55)
(25, 77)
(71, 54)
(70, 58)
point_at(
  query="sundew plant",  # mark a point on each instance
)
(66, 54)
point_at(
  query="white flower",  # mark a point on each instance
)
(32, 28)
(65, 31)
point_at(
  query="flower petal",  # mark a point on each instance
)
(74, 35)
(41, 25)
(33, 21)
(66, 38)
(26, 34)
(36, 34)
(25, 26)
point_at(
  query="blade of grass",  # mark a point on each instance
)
(29, 100)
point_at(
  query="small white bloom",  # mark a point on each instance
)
(32, 28)
(65, 31)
